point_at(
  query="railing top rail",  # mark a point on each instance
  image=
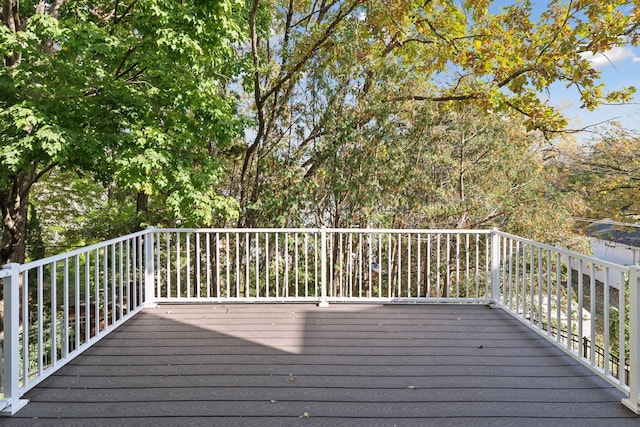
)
(4, 273)
(407, 231)
(575, 255)
(236, 230)
(315, 229)
(80, 251)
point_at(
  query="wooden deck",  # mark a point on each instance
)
(346, 365)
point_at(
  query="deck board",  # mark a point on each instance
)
(296, 364)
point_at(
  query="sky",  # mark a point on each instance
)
(620, 67)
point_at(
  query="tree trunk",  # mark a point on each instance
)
(11, 20)
(462, 221)
(14, 204)
(142, 206)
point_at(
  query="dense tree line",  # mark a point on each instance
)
(119, 114)
(606, 174)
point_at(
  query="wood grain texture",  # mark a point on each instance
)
(346, 365)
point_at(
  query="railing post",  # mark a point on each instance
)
(495, 266)
(323, 268)
(633, 401)
(149, 297)
(11, 341)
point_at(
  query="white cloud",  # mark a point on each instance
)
(612, 56)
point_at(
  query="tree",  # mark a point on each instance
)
(441, 166)
(606, 171)
(315, 63)
(130, 92)
(75, 211)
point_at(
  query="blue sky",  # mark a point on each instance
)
(620, 68)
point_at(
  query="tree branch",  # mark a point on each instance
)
(516, 74)
(584, 129)
(258, 99)
(435, 98)
(136, 75)
(117, 19)
(117, 72)
(397, 43)
(315, 46)
(55, 8)
(320, 12)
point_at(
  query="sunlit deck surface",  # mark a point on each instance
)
(346, 365)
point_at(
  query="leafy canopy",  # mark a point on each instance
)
(130, 91)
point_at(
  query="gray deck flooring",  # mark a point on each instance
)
(346, 365)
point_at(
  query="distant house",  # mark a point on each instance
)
(615, 243)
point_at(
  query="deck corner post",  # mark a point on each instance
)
(149, 294)
(633, 401)
(323, 268)
(495, 266)
(11, 376)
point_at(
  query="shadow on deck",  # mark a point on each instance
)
(346, 365)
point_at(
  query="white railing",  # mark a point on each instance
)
(583, 304)
(57, 307)
(244, 265)
(322, 265)
(408, 265)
